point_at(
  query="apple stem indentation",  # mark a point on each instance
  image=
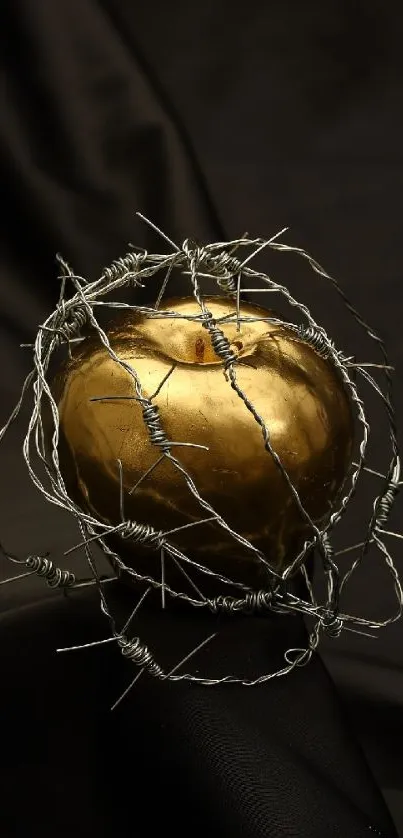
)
(200, 350)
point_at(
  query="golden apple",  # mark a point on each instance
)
(298, 394)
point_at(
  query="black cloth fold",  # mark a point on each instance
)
(273, 760)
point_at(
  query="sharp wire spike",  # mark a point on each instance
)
(135, 611)
(238, 302)
(252, 255)
(16, 578)
(375, 366)
(393, 534)
(157, 230)
(89, 541)
(105, 640)
(127, 690)
(277, 235)
(139, 247)
(146, 473)
(160, 386)
(186, 575)
(370, 471)
(10, 556)
(88, 583)
(87, 645)
(364, 633)
(16, 411)
(349, 549)
(189, 445)
(164, 286)
(260, 290)
(192, 524)
(374, 472)
(121, 492)
(261, 247)
(162, 578)
(113, 398)
(191, 654)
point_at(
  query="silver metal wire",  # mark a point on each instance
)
(224, 263)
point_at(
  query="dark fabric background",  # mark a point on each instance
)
(212, 119)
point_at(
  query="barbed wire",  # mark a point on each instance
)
(223, 264)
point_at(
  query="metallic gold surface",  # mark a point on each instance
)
(298, 394)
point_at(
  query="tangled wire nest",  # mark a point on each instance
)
(221, 263)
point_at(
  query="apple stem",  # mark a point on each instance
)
(200, 350)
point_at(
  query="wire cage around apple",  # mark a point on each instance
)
(225, 265)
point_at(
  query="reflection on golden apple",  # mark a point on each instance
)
(298, 395)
